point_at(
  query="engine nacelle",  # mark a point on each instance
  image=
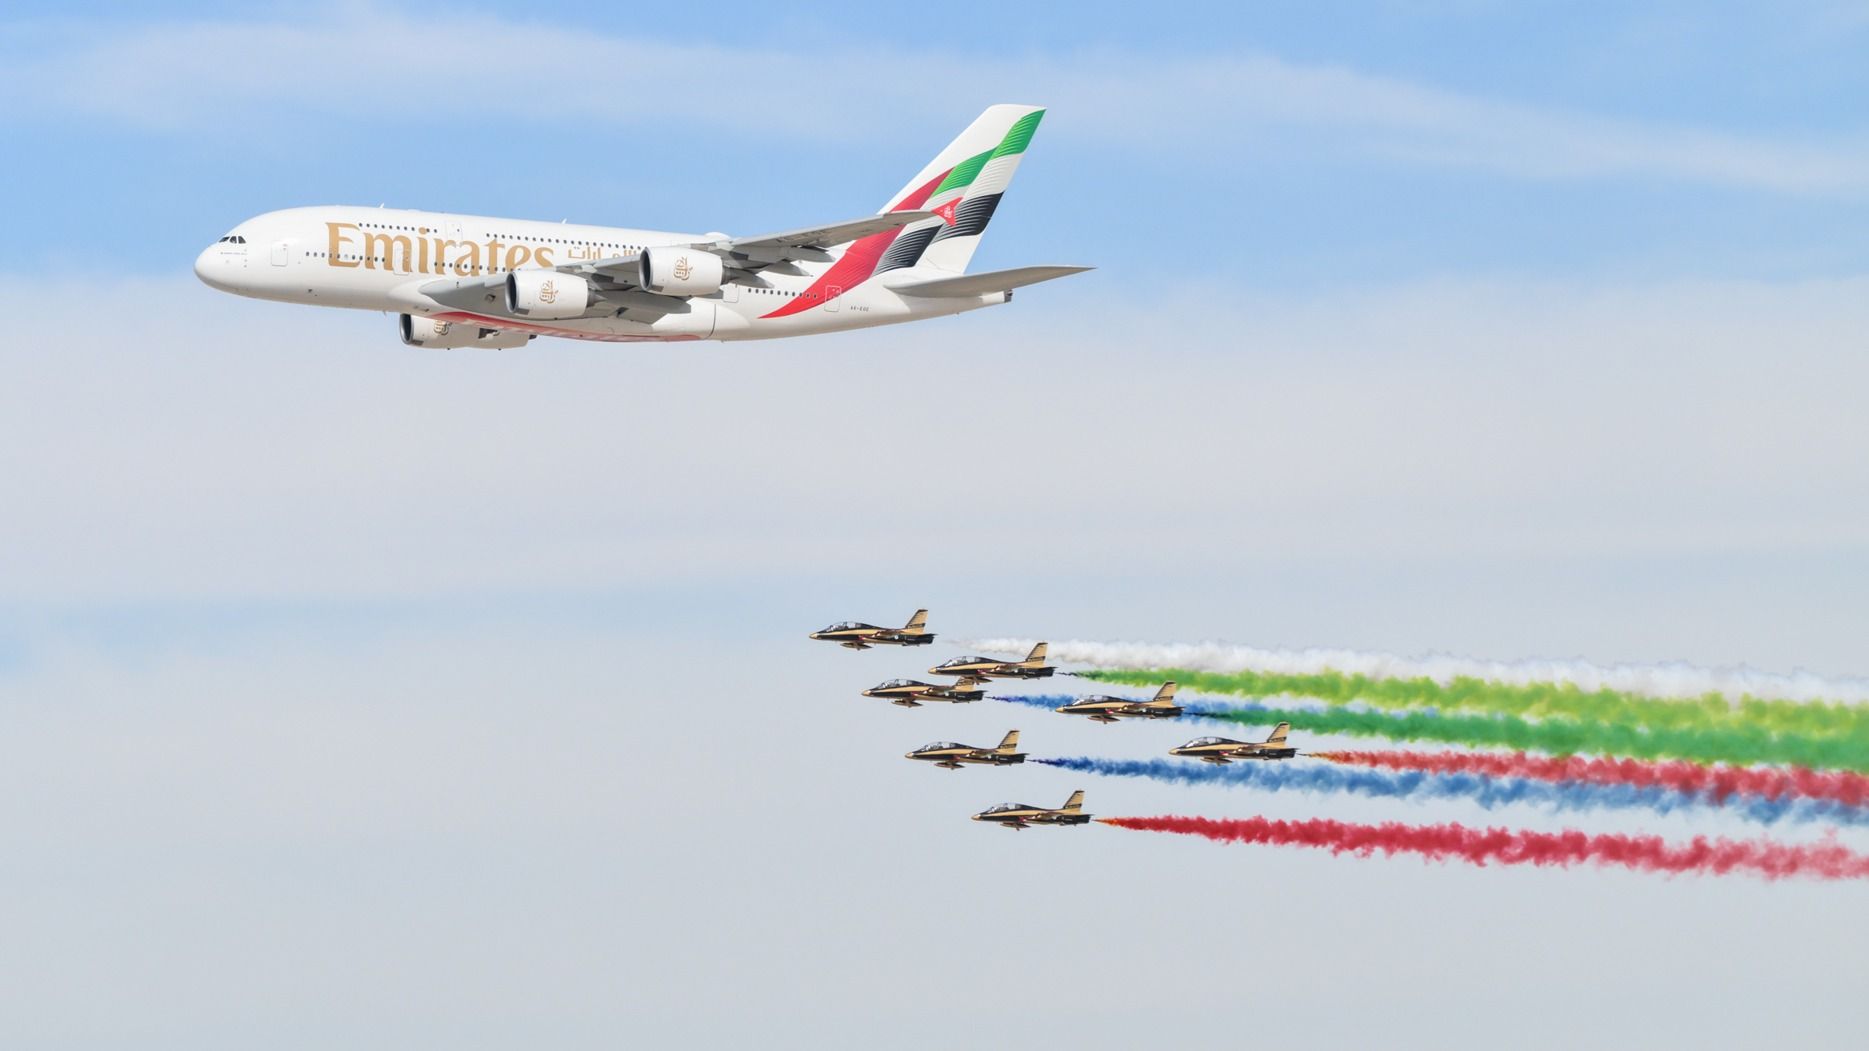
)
(547, 294)
(674, 270)
(428, 333)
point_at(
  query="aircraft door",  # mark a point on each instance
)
(280, 248)
(831, 293)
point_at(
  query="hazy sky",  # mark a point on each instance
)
(352, 695)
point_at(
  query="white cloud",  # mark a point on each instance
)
(366, 64)
(220, 448)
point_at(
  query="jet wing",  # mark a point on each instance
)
(613, 279)
(806, 244)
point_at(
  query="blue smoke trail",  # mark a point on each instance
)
(1488, 792)
(1041, 700)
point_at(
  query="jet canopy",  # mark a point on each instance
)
(846, 626)
(1003, 807)
(967, 660)
(939, 746)
(896, 682)
(1208, 740)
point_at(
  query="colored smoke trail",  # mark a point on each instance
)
(1540, 700)
(1648, 680)
(1742, 746)
(1489, 846)
(1713, 783)
(1487, 791)
(1036, 700)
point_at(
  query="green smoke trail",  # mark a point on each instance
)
(1742, 745)
(1530, 701)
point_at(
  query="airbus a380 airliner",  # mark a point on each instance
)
(471, 281)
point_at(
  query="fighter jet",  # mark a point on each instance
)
(1019, 815)
(910, 694)
(1220, 750)
(1106, 709)
(1032, 667)
(951, 755)
(855, 635)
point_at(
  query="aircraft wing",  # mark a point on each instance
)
(615, 278)
(806, 244)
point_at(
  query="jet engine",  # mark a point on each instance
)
(675, 270)
(444, 335)
(547, 294)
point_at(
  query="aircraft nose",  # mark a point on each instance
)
(210, 267)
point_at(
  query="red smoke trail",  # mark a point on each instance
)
(1715, 782)
(1482, 846)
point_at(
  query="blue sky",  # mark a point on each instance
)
(1311, 191)
(359, 695)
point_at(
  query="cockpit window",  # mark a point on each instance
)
(896, 682)
(1202, 740)
(1003, 807)
(936, 746)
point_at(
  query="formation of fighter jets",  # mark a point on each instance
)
(972, 674)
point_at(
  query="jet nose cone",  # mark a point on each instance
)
(210, 267)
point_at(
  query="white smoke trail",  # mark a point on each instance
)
(1673, 679)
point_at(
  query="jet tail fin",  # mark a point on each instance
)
(1037, 654)
(962, 187)
(1009, 743)
(1076, 802)
(1165, 695)
(1278, 734)
(918, 623)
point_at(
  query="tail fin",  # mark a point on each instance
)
(962, 185)
(917, 623)
(1008, 743)
(1165, 695)
(1278, 734)
(1037, 654)
(1076, 802)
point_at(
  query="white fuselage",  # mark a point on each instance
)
(381, 258)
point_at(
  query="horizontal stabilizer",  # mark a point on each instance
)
(968, 285)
